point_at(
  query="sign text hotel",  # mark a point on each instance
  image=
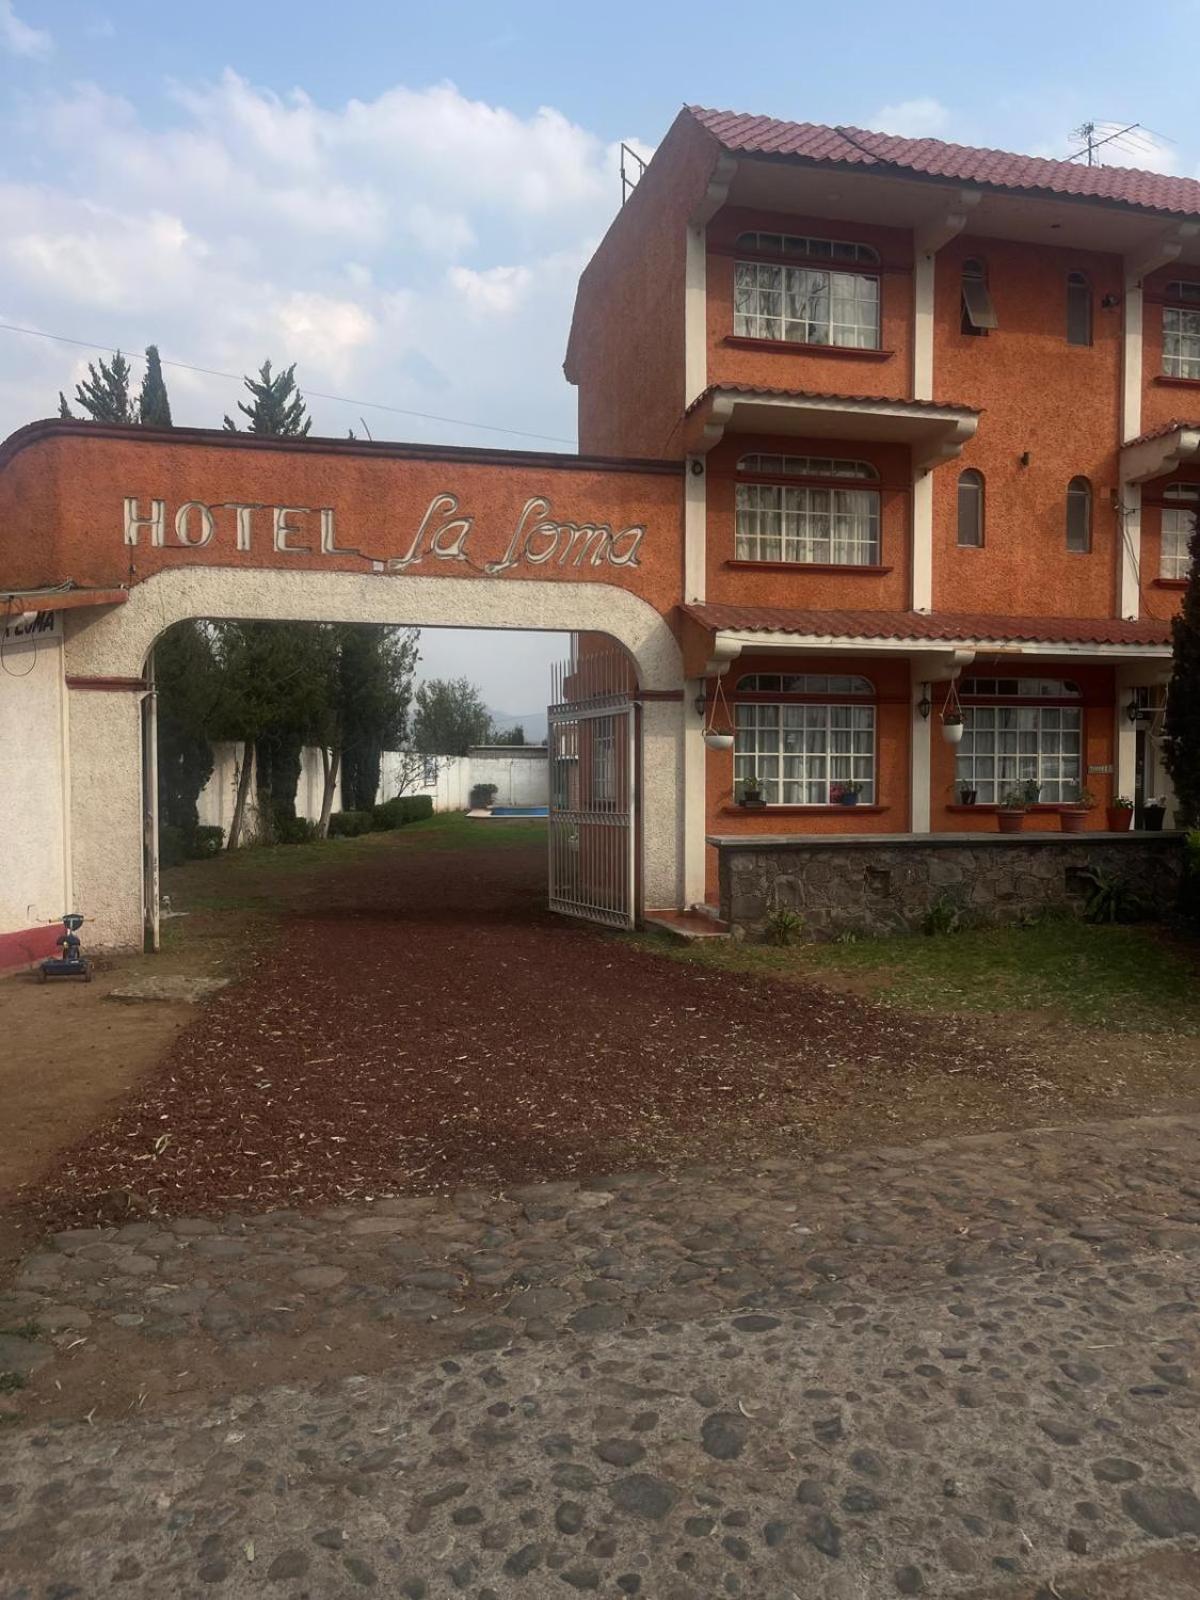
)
(444, 533)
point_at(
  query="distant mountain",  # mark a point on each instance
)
(534, 723)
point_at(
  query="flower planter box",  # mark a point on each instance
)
(1008, 820)
(1118, 818)
(755, 804)
(1073, 819)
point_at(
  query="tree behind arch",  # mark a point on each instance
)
(1182, 744)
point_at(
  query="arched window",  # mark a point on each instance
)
(970, 509)
(1181, 330)
(1178, 521)
(1079, 516)
(811, 291)
(1079, 309)
(978, 313)
(814, 683)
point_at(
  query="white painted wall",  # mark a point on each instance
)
(34, 862)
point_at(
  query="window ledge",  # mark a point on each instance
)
(741, 564)
(741, 341)
(801, 811)
(1169, 583)
(1049, 807)
(1169, 382)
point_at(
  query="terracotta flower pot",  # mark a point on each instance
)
(1073, 819)
(1009, 820)
(1118, 818)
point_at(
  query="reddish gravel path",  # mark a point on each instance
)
(432, 1027)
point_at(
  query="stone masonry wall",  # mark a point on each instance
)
(889, 884)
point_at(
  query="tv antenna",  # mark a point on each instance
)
(1131, 138)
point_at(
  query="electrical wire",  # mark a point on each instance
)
(312, 394)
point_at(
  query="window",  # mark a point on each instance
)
(1177, 524)
(802, 754)
(803, 683)
(1181, 331)
(806, 467)
(429, 772)
(1079, 516)
(1006, 745)
(604, 762)
(978, 315)
(831, 527)
(970, 509)
(1079, 309)
(809, 304)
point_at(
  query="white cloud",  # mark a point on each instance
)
(419, 248)
(19, 38)
(923, 118)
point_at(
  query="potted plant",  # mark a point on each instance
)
(1153, 815)
(952, 726)
(1014, 803)
(845, 794)
(1073, 815)
(1119, 815)
(967, 796)
(753, 798)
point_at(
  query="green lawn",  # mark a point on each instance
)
(1130, 978)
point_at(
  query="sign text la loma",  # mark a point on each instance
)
(444, 532)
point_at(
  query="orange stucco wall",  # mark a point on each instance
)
(799, 585)
(893, 699)
(784, 366)
(63, 487)
(1163, 399)
(626, 351)
(1038, 394)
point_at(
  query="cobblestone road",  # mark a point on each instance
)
(966, 1368)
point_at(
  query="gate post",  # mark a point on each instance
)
(105, 724)
(663, 810)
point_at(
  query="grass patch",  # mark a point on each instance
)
(10, 1382)
(1122, 978)
(23, 1330)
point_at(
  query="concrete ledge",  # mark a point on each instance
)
(917, 841)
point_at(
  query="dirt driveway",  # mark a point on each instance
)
(406, 1017)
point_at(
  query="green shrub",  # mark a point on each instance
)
(943, 917)
(482, 795)
(172, 846)
(205, 843)
(1111, 898)
(1189, 889)
(350, 824)
(402, 809)
(294, 830)
(784, 927)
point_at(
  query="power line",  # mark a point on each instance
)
(313, 394)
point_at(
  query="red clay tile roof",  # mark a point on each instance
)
(942, 626)
(754, 390)
(1176, 425)
(957, 163)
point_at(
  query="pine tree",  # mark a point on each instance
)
(154, 408)
(277, 406)
(64, 410)
(105, 395)
(1183, 697)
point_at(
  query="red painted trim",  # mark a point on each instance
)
(1046, 808)
(791, 347)
(800, 811)
(29, 945)
(69, 600)
(134, 685)
(1178, 383)
(657, 694)
(53, 428)
(1169, 583)
(740, 565)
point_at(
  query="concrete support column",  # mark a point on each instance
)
(920, 765)
(922, 541)
(1129, 523)
(666, 817)
(695, 801)
(105, 732)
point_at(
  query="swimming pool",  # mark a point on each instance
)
(520, 811)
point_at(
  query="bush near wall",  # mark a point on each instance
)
(403, 809)
(350, 824)
(177, 845)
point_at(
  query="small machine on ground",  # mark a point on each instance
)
(72, 963)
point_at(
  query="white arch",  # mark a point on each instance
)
(117, 643)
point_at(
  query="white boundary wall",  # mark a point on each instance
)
(34, 852)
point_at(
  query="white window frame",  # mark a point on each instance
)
(789, 747)
(812, 683)
(1008, 744)
(802, 304)
(1181, 332)
(1079, 494)
(807, 525)
(773, 466)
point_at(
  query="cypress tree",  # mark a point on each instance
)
(154, 408)
(276, 405)
(105, 394)
(1182, 745)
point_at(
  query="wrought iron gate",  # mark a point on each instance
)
(592, 732)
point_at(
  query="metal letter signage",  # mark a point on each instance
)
(443, 533)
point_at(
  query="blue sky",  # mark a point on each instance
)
(400, 197)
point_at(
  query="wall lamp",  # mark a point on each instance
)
(925, 704)
(1136, 712)
(701, 703)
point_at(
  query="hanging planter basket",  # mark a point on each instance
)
(952, 717)
(714, 738)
